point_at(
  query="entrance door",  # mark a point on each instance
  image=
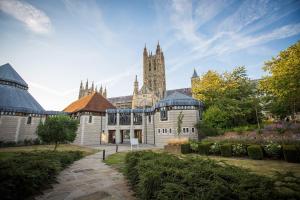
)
(125, 136)
(138, 134)
(112, 136)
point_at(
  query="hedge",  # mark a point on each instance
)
(291, 153)
(185, 148)
(255, 152)
(226, 150)
(26, 174)
(203, 148)
(164, 176)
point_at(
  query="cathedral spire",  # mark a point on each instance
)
(145, 51)
(136, 86)
(96, 89)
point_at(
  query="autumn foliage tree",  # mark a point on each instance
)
(282, 84)
(228, 98)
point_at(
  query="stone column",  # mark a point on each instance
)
(118, 134)
(144, 129)
(131, 126)
(18, 129)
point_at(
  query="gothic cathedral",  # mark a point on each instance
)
(154, 80)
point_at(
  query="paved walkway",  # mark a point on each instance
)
(91, 179)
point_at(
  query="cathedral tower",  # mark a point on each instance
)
(194, 79)
(154, 72)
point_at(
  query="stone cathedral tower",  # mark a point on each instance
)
(154, 72)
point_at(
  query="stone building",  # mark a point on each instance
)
(90, 110)
(85, 91)
(20, 113)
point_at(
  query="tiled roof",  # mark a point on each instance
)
(120, 99)
(186, 91)
(123, 99)
(91, 103)
(7, 73)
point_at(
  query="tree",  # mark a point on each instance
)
(215, 117)
(57, 129)
(179, 123)
(283, 83)
(230, 93)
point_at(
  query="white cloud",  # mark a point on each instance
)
(35, 19)
(229, 36)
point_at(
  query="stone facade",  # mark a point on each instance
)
(84, 91)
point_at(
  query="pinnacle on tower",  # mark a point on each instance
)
(105, 93)
(81, 85)
(87, 84)
(92, 86)
(145, 51)
(195, 75)
(96, 89)
(101, 90)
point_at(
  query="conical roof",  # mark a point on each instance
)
(13, 97)
(178, 99)
(7, 73)
(94, 102)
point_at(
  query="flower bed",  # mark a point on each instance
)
(248, 148)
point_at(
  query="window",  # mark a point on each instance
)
(163, 114)
(29, 120)
(163, 130)
(125, 118)
(137, 118)
(193, 130)
(158, 130)
(90, 119)
(112, 118)
(149, 118)
(187, 130)
(170, 130)
(183, 130)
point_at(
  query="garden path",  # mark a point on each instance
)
(90, 179)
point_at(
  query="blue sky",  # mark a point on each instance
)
(56, 44)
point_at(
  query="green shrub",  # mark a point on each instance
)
(255, 152)
(226, 150)
(185, 148)
(165, 176)
(215, 149)
(239, 149)
(203, 148)
(194, 146)
(291, 153)
(273, 150)
(26, 174)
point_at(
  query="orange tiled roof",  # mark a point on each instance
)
(91, 103)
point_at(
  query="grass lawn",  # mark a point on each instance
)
(261, 167)
(10, 151)
(116, 160)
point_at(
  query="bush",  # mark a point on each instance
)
(226, 150)
(291, 153)
(273, 150)
(164, 176)
(239, 149)
(194, 146)
(185, 148)
(215, 149)
(203, 148)
(26, 174)
(255, 152)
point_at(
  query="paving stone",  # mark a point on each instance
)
(91, 179)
